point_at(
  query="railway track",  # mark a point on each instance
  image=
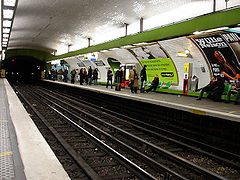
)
(90, 157)
(171, 157)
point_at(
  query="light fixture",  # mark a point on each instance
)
(127, 46)
(9, 2)
(103, 50)
(7, 23)
(141, 43)
(8, 13)
(181, 54)
(5, 39)
(210, 30)
(186, 53)
(197, 32)
(4, 42)
(6, 30)
(5, 35)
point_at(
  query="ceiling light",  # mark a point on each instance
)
(181, 54)
(7, 23)
(9, 2)
(5, 35)
(8, 13)
(197, 32)
(4, 42)
(187, 51)
(6, 30)
(5, 39)
(141, 43)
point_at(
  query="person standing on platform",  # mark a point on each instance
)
(154, 84)
(119, 75)
(60, 74)
(65, 75)
(143, 76)
(109, 77)
(95, 76)
(86, 76)
(235, 90)
(73, 74)
(133, 77)
(89, 75)
(81, 74)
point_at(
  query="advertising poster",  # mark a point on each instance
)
(220, 54)
(157, 61)
(164, 68)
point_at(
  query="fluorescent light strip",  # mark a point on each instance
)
(8, 13)
(5, 35)
(5, 39)
(9, 2)
(6, 30)
(4, 42)
(7, 23)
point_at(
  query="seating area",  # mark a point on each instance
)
(163, 85)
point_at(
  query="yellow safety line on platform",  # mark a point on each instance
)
(195, 111)
(5, 154)
(3, 120)
(231, 112)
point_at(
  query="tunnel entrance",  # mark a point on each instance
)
(23, 68)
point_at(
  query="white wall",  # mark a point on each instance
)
(173, 46)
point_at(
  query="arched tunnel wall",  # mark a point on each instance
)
(23, 68)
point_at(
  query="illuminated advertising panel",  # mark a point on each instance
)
(157, 61)
(221, 50)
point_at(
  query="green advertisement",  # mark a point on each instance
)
(163, 67)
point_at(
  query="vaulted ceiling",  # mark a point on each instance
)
(50, 25)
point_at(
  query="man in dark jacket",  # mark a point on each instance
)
(73, 74)
(235, 90)
(109, 77)
(81, 74)
(215, 89)
(143, 78)
(154, 83)
(119, 75)
(89, 75)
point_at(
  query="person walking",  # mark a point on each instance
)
(95, 76)
(109, 77)
(143, 76)
(133, 77)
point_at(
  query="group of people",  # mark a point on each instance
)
(85, 76)
(58, 75)
(215, 89)
(133, 79)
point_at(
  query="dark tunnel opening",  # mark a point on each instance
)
(23, 69)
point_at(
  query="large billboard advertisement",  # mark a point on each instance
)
(157, 61)
(221, 50)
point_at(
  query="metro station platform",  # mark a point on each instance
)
(205, 107)
(24, 153)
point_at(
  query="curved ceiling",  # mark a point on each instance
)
(50, 25)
